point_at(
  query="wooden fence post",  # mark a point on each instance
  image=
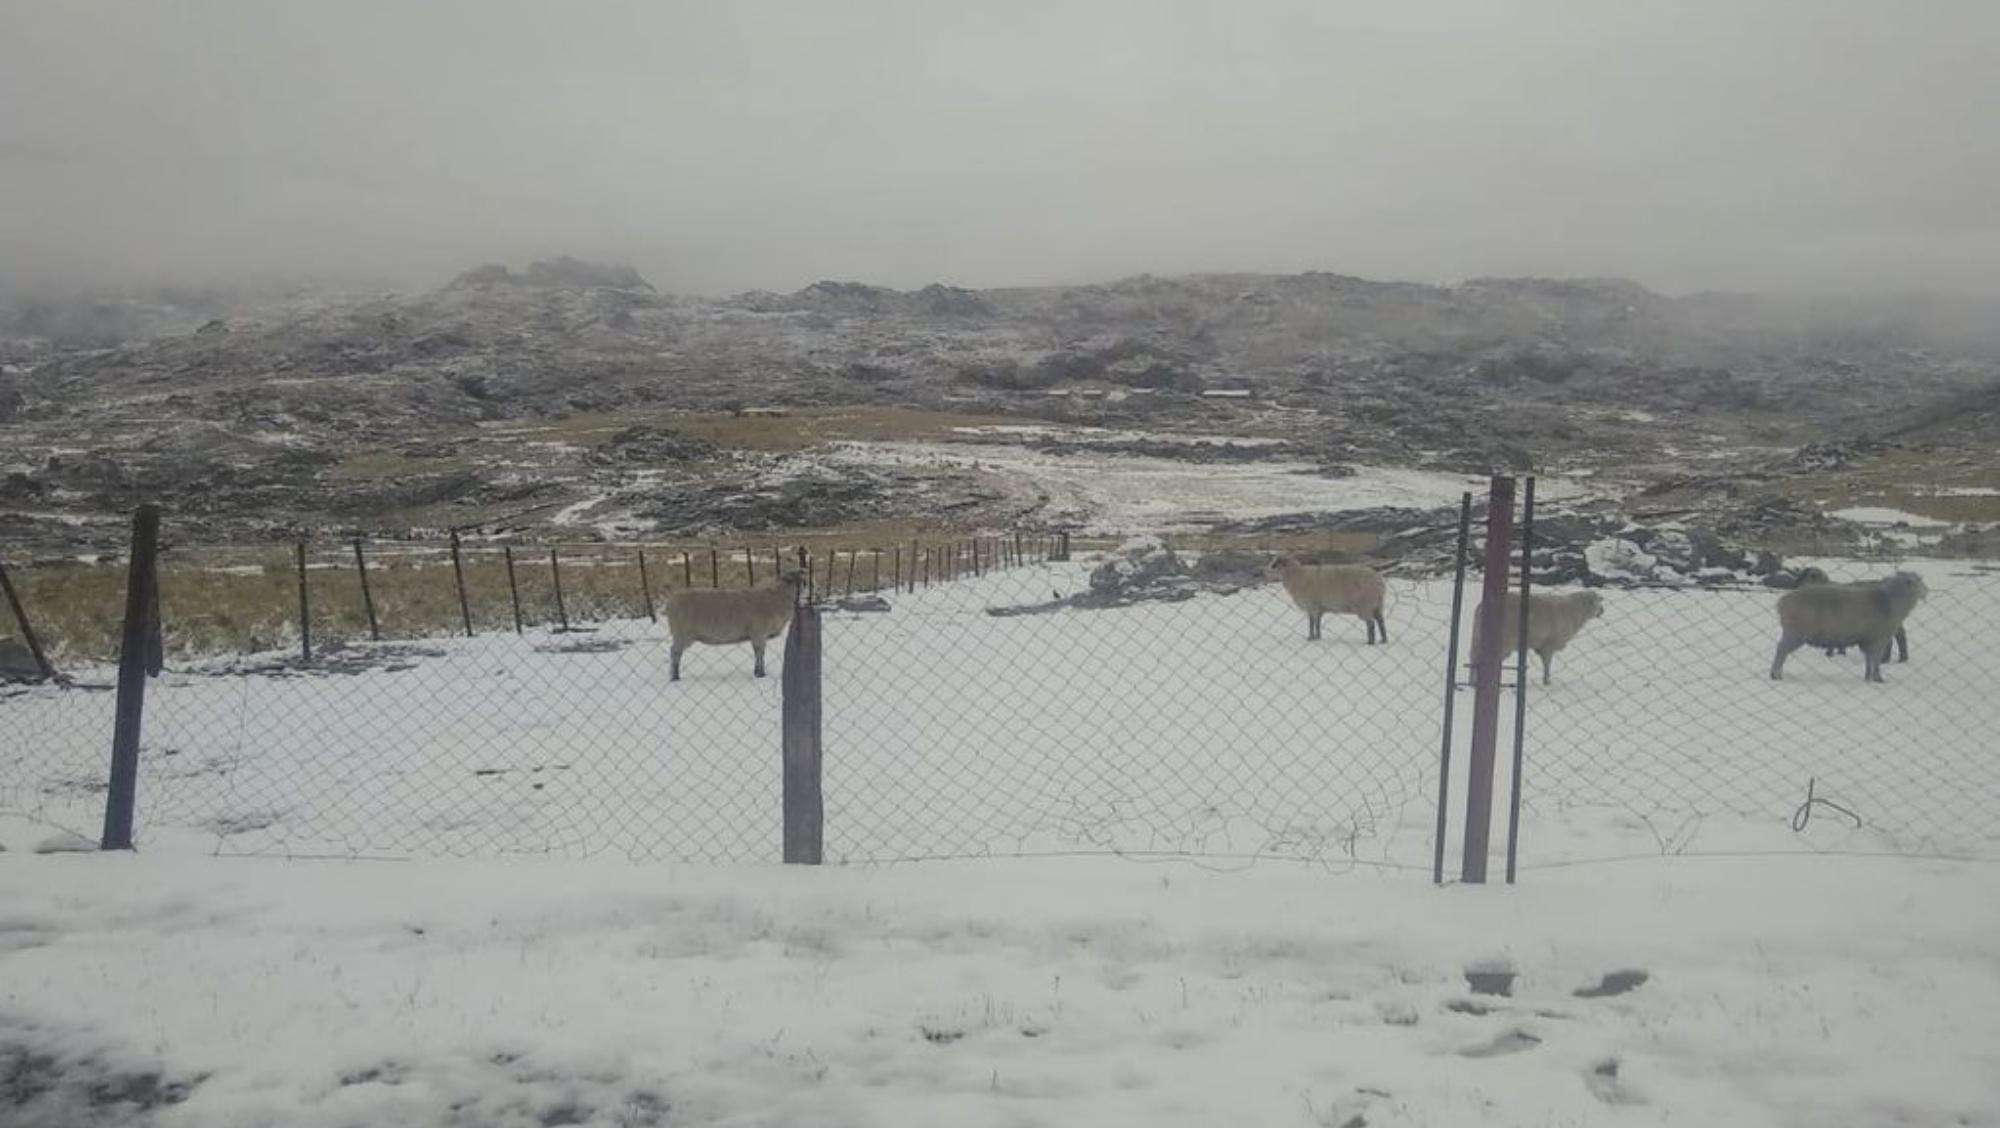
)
(714, 567)
(513, 588)
(458, 572)
(555, 573)
(875, 569)
(367, 596)
(1486, 659)
(804, 811)
(898, 575)
(750, 565)
(687, 568)
(141, 582)
(27, 629)
(305, 610)
(646, 587)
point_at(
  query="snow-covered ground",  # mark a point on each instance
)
(1116, 495)
(1209, 726)
(228, 993)
(1269, 951)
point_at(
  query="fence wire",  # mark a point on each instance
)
(1006, 705)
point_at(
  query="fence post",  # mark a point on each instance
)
(1451, 685)
(875, 569)
(458, 572)
(750, 565)
(899, 568)
(927, 570)
(806, 570)
(804, 812)
(714, 567)
(555, 573)
(1521, 676)
(27, 629)
(140, 585)
(367, 596)
(513, 588)
(1486, 667)
(646, 587)
(852, 556)
(687, 568)
(305, 609)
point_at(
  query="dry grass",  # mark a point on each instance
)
(1919, 482)
(247, 600)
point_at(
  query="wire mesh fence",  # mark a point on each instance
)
(984, 699)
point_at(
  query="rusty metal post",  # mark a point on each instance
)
(1488, 646)
(1451, 686)
(555, 574)
(1521, 677)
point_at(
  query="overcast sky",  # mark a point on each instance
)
(729, 145)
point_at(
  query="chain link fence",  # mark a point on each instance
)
(979, 700)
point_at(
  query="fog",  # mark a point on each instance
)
(723, 146)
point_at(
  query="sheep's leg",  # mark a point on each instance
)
(1382, 624)
(679, 649)
(1873, 670)
(1902, 646)
(1312, 625)
(1370, 624)
(1546, 658)
(1786, 645)
(757, 645)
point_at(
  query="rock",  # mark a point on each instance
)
(863, 604)
(650, 445)
(66, 842)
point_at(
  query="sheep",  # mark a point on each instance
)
(1833, 615)
(1344, 589)
(718, 617)
(1808, 576)
(1553, 622)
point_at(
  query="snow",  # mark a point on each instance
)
(1269, 949)
(1793, 991)
(1882, 515)
(1208, 726)
(1114, 495)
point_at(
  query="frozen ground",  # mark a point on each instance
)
(1207, 727)
(1114, 494)
(177, 991)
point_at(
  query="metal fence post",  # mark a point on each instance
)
(367, 596)
(646, 587)
(1521, 677)
(804, 810)
(1451, 686)
(458, 573)
(555, 575)
(1486, 666)
(122, 794)
(514, 588)
(27, 629)
(305, 609)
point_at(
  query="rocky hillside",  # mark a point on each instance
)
(312, 411)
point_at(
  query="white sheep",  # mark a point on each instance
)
(1867, 615)
(723, 617)
(1553, 622)
(1809, 576)
(1343, 589)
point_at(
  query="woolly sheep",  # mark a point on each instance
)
(1809, 575)
(1833, 615)
(1343, 589)
(1553, 622)
(720, 617)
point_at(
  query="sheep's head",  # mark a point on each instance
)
(1592, 603)
(1275, 564)
(1910, 584)
(1809, 575)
